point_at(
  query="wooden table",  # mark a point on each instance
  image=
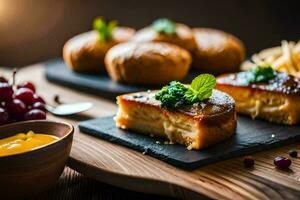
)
(73, 185)
(225, 180)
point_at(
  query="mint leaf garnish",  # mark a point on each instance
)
(177, 94)
(164, 26)
(260, 74)
(201, 88)
(105, 30)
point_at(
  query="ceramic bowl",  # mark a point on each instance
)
(29, 173)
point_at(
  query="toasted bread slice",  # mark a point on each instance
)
(196, 126)
(276, 100)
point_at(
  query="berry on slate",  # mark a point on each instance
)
(249, 161)
(282, 162)
(293, 153)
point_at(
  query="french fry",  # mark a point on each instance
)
(284, 58)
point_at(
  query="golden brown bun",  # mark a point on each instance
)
(216, 51)
(85, 53)
(147, 63)
(183, 37)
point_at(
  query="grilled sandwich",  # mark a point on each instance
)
(197, 126)
(276, 100)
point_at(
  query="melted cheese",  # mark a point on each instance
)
(272, 106)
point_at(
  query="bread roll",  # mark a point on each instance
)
(183, 36)
(216, 51)
(85, 53)
(147, 63)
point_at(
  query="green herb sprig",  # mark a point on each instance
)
(201, 88)
(177, 94)
(260, 74)
(164, 26)
(172, 95)
(104, 29)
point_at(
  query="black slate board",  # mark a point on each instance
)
(251, 136)
(99, 84)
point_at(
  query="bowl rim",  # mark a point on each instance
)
(68, 134)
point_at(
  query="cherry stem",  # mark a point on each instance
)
(57, 99)
(14, 76)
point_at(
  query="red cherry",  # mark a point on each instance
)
(39, 105)
(282, 162)
(4, 116)
(3, 80)
(16, 108)
(28, 85)
(26, 95)
(35, 114)
(38, 99)
(6, 92)
(293, 153)
(249, 161)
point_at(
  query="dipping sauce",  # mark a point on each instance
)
(23, 142)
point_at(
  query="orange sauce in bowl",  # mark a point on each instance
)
(23, 142)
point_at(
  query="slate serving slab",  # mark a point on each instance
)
(99, 84)
(251, 136)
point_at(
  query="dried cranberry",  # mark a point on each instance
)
(248, 161)
(282, 162)
(293, 153)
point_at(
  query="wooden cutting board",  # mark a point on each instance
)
(126, 168)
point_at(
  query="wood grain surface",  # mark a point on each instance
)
(132, 170)
(75, 186)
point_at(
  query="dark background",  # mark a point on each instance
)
(35, 30)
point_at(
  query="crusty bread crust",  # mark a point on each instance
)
(85, 53)
(147, 63)
(216, 51)
(183, 37)
(194, 130)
